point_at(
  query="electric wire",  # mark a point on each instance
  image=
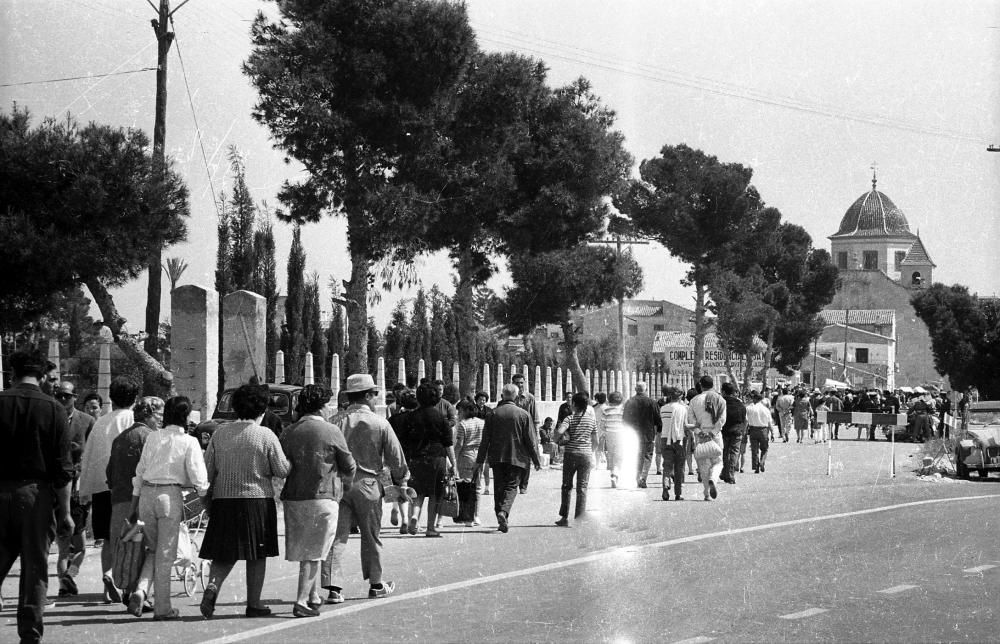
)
(75, 78)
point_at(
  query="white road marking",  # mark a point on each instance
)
(897, 589)
(978, 569)
(557, 565)
(701, 639)
(809, 612)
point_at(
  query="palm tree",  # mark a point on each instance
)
(175, 267)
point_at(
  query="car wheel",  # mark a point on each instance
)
(983, 473)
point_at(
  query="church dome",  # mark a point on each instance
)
(873, 215)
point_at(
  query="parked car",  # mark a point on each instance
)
(284, 401)
(979, 449)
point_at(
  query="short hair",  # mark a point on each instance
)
(467, 407)
(482, 394)
(28, 364)
(756, 395)
(176, 411)
(640, 387)
(509, 391)
(673, 394)
(123, 391)
(438, 383)
(601, 397)
(398, 386)
(408, 399)
(142, 411)
(93, 396)
(615, 397)
(517, 376)
(706, 382)
(728, 388)
(580, 400)
(356, 396)
(250, 401)
(451, 393)
(427, 395)
(312, 398)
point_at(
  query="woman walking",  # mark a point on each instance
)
(579, 430)
(171, 460)
(318, 454)
(470, 434)
(802, 413)
(241, 459)
(430, 455)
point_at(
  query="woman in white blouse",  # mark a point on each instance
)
(171, 460)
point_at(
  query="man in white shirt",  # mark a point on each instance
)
(709, 411)
(783, 405)
(674, 416)
(759, 425)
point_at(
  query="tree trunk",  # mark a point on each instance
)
(768, 354)
(465, 323)
(699, 327)
(356, 289)
(571, 359)
(158, 381)
(728, 362)
(748, 370)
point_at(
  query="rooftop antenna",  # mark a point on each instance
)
(874, 176)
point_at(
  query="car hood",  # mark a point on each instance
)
(988, 436)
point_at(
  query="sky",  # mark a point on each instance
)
(809, 94)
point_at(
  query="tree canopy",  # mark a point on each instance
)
(82, 205)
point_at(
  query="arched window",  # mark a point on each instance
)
(915, 279)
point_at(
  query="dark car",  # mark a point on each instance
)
(979, 449)
(284, 401)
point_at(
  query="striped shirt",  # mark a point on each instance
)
(613, 418)
(675, 418)
(579, 428)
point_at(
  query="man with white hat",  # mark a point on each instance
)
(374, 446)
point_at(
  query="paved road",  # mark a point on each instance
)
(790, 555)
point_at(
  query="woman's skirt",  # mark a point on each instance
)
(241, 529)
(427, 475)
(310, 526)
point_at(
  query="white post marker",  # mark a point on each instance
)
(308, 379)
(486, 381)
(279, 367)
(821, 419)
(401, 371)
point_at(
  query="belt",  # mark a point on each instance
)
(756, 427)
(148, 484)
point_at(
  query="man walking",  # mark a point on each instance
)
(674, 420)
(759, 426)
(36, 473)
(72, 547)
(509, 447)
(526, 401)
(643, 416)
(374, 446)
(732, 433)
(783, 405)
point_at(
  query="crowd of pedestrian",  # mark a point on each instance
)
(65, 467)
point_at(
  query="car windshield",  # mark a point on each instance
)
(278, 402)
(984, 417)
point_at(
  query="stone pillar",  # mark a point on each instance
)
(54, 356)
(104, 368)
(307, 377)
(438, 370)
(500, 382)
(548, 383)
(279, 367)
(244, 326)
(401, 371)
(335, 377)
(559, 384)
(380, 381)
(421, 370)
(194, 345)
(526, 372)
(590, 383)
(538, 382)
(454, 376)
(1, 365)
(486, 380)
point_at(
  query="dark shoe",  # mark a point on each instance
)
(252, 611)
(762, 467)
(756, 470)
(563, 522)
(403, 529)
(659, 473)
(304, 611)
(502, 522)
(111, 593)
(335, 597)
(168, 617)
(614, 481)
(207, 605)
(666, 494)
(741, 470)
(641, 483)
(135, 602)
(412, 526)
(67, 587)
(393, 519)
(711, 489)
(387, 589)
(433, 533)
(678, 498)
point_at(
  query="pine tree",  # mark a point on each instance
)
(418, 344)
(294, 304)
(265, 283)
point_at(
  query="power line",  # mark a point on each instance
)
(74, 78)
(666, 75)
(197, 128)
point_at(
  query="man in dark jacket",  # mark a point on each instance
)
(732, 432)
(510, 449)
(643, 416)
(72, 547)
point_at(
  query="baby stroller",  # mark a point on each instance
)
(188, 567)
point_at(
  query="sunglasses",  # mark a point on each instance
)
(65, 396)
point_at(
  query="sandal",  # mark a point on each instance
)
(135, 602)
(433, 533)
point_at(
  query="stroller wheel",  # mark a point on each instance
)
(190, 579)
(204, 572)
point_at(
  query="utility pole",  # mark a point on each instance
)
(617, 238)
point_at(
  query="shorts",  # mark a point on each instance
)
(100, 515)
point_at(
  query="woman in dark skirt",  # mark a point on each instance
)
(241, 459)
(428, 446)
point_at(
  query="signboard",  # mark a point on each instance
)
(711, 358)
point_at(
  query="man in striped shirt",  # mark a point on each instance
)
(674, 417)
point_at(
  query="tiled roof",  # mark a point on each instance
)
(859, 316)
(917, 255)
(873, 214)
(641, 310)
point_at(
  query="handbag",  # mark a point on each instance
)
(129, 555)
(448, 504)
(707, 448)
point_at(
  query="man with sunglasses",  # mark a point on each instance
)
(71, 546)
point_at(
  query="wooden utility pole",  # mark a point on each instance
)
(618, 239)
(154, 290)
